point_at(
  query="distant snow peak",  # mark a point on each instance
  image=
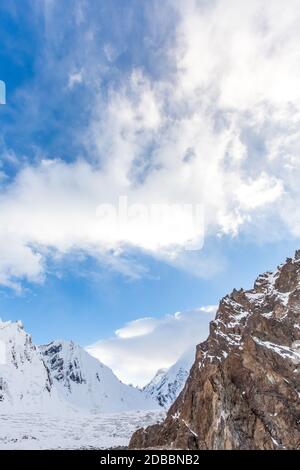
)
(167, 384)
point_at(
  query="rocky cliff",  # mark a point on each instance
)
(243, 391)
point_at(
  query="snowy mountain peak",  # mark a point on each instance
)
(24, 379)
(60, 376)
(158, 377)
(85, 382)
(11, 325)
(168, 383)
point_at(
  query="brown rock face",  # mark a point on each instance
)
(243, 391)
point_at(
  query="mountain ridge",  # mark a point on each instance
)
(87, 383)
(59, 377)
(243, 391)
(167, 384)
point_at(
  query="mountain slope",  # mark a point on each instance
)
(60, 377)
(25, 383)
(88, 384)
(243, 391)
(168, 383)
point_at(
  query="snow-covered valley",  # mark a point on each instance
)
(57, 396)
(72, 431)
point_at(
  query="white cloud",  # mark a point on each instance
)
(143, 346)
(232, 104)
(246, 52)
(18, 262)
(75, 78)
(264, 190)
(140, 327)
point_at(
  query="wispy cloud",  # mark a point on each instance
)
(218, 126)
(143, 346)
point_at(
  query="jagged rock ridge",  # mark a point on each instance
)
(243, 391)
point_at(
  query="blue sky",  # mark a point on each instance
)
(166, 103)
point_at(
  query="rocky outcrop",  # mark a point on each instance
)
(243, 391)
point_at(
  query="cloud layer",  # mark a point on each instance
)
(218, 127)
(143, 346)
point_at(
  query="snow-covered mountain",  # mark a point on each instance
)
(168, 383)
(25, 382)
(86, 383)
(59, 377)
